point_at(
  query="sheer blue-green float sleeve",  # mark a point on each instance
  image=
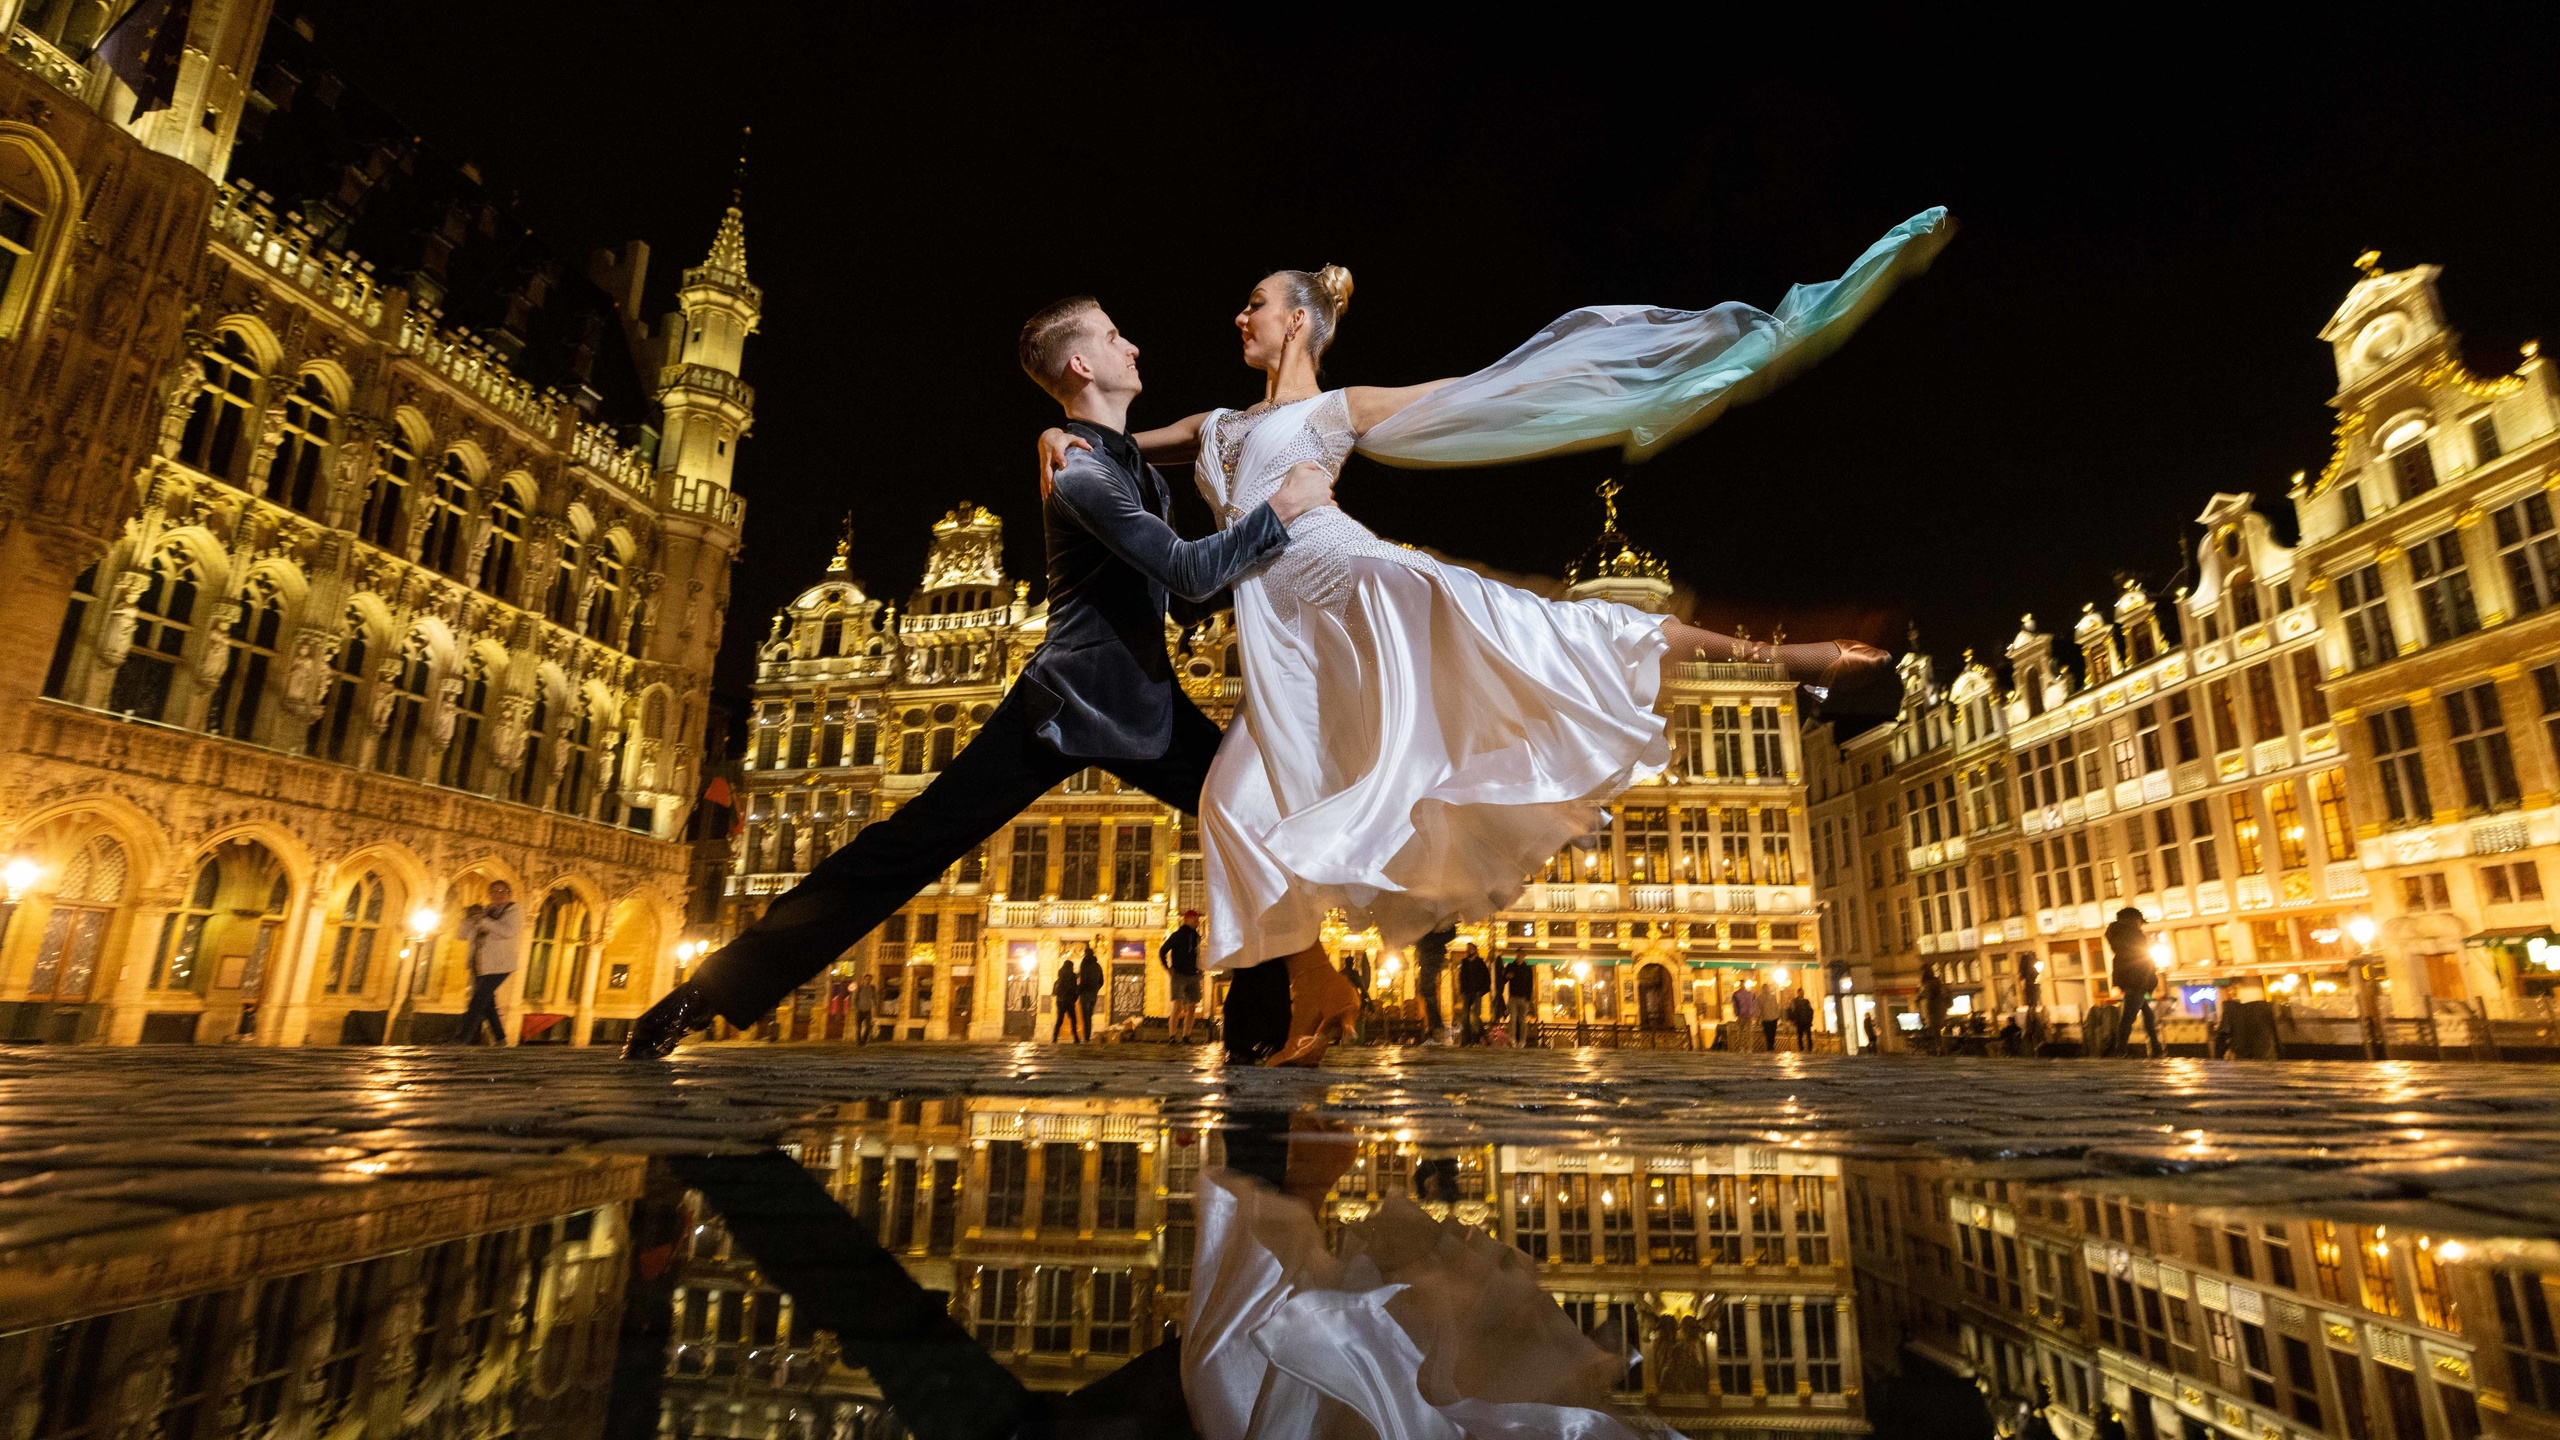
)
(1640, 377)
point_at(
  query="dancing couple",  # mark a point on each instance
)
(1414, 738)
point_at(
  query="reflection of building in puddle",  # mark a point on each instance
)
(1712, 1271)
(2384, 1319)
(1060, 1232)
(463, 1307)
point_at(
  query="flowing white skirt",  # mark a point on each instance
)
(1412, 749)
(1418, 1330)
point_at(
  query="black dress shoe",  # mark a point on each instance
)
(655, 1035)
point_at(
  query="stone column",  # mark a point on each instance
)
(285, 1017)
(127, 978)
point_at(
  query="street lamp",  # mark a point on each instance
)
(18, 877)
(424, 921)
(2368, 974)
(1581, 995)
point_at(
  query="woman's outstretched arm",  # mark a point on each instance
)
(1174, 444)
(1371, 404)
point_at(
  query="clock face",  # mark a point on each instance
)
(2383, 337)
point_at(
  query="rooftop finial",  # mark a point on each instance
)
(1610, 490)
(738, 191)
(2370, 262)
(844, 545)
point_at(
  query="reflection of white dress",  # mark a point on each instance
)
(1418, 1330)
(1414, 738)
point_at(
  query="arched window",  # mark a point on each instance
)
(252, 638)
(386, 499)
(75, 933)
(608, 601)
(831, 636)
(179, 964)
(563, 939)
(506, 539)
(448, 513)
(66, 641)
(309, 421)
(577, 765)
(564, 582)
(23, 207)
(943, 716)
(462, 767)
(359, 929)
(224, 400)
(166, 612)
(531, 774)
(403, 739)
(333, 734)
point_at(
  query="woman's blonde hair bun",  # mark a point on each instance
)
(1335, 282)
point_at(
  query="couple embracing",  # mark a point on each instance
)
(1414, 738)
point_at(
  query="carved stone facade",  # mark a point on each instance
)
(334, 593)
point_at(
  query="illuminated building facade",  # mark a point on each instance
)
(379, 555)
(2195, 777)
(2435, 568)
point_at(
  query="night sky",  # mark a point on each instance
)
(2155, 224)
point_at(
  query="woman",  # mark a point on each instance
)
(1416, 738)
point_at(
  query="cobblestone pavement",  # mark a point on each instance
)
(99, 1141)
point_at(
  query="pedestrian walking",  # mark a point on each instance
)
(1180, 954)
(495, 934)
(1475, 983)
(1063, 991)
(1088, 990)
(1746, 1014)
(2129, 954)
(1430, 957)
(1867, 1028)
(1520, 995)
(866, 1004)
(1800, 1016)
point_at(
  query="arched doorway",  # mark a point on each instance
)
(65, 990)
(1654, 999)
(626, 972)
(210, 967)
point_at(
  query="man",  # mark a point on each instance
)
(495, 934)
(866, 1003)
(1098, 693)
(1088, 990)
(1800, 1019)
(1475, 982)
(1746, 1014)
(2129, 951)
(1430, 957)
(1180, 954)
(1519, 993)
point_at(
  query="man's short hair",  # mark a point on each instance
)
(1049, 336)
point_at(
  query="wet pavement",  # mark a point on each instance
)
(133, 1179)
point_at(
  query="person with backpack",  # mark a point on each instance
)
(2129, 956)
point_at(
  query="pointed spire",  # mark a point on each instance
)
(727, 265)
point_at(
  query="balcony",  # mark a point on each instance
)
(1137, 915)
(695, 496)
(2344, 880)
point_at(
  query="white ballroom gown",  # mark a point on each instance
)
(1415, 740)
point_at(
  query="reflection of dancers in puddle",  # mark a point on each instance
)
(1415, 738)
(1411, 1328)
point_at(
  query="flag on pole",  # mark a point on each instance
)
(143, 51)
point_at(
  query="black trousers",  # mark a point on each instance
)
(991, 781)
(483, 1010)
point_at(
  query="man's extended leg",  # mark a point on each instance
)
(2151, 1027)
(994, 778)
